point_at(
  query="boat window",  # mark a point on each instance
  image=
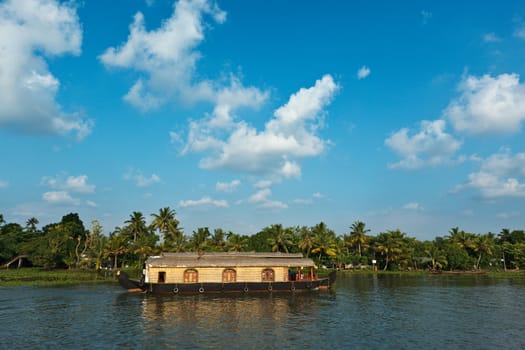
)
(268, 275)
(229, 275)
(162, 277)
(191, 276)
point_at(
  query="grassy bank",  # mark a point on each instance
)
(489, 273)
(39, 277)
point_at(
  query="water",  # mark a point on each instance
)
(363, 312)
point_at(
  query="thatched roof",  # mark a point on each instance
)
(233, 259)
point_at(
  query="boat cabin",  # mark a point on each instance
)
(228, 267)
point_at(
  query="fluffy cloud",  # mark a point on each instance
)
(363, 72)
(488, 105)
(500, 175)
(261, 199)
(289, 136)
(204, 201)
(227, 186)
(77, 184)
(31, 30)
(139, 178)
(431, 146)
(59, 197)
(167, 56)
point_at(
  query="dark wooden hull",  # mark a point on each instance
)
(230, 287)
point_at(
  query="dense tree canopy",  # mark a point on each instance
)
(68, 244)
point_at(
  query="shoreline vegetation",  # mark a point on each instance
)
(69, 245)
(37, 277)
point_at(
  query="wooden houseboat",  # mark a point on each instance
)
(194, 273)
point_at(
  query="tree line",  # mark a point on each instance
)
(68, 244)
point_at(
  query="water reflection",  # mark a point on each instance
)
(224, 321)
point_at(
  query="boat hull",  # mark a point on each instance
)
(224, 288)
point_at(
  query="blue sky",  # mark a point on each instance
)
(241, 114)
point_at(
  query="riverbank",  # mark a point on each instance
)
(40, 277)
(489, 273)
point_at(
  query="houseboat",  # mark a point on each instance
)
(194, 273)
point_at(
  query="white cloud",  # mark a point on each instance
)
(227, 186)
(261, 199)
(363, 72)
(431, 146)
(260, 196)
(139, 178)
(288, 137)
(59, 197)
(91, 204)
(31, 30)
(488, 105)
(167, 56)
(500, 175)
(3, 184)
(77, 184)
(204, 201)
(491, 38)
(413, 206)
(262, 184)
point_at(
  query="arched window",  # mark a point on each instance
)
(191, 276)
(229, 275)
(267, 275)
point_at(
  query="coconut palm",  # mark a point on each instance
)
(436, 255)
(166, 223)
(358, 237)
(280, 238)
(217, 240)
(323, 241)
(390, 245)
(199, 240)
(484, 244)
(461, 238)
(306, 240)
(31, 224)
(236, 242)
(116, 245)
(137, 224)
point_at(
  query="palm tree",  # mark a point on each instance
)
(236, 242)
(137, 224)
(31, 224)
(217, 240)
(306, 242)
(483, 244)
(358, 235)
(116, 245)
(436, 255)
(166, 223)
(390, 245)
(323, 241)
(461, 238)
(199, 240)
(280, 238)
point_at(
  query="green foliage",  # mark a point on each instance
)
(67, 244)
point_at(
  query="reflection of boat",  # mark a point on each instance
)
(193, 273)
